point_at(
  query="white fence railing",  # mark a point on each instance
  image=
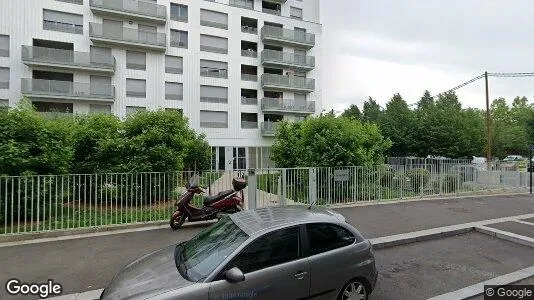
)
(57, 202)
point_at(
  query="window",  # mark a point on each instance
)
(99, 108)
(136, 88)
(249, 25)
(133, 109)
(248, 4)
(213, 19)
(272, 249)
(295, 13)
(213, 119)
(72, 1)
(4, 104)
(4, 78)
(101, 85)
(249, 120)
(62, 21)
(100, 55)
(179, 39)
(4, 45)
(213, 94)
(174, 91)
(179, 12)
(135, 60)
(211, 68)
(210, 43)
(174, 64)
(325, 237)
(53, 107)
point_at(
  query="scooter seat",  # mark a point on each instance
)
(211, 199)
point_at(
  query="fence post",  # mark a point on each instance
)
(283, 187)
(252, 186)
(312, 185)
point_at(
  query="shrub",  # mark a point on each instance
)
(419, 178)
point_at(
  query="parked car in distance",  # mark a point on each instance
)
(513, 158)
(266, 253)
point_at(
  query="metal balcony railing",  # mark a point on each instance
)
(269, 128)
(83, 60)
(66, 89)
(287, 105)
(242, 3)
(288, 35)
(137, 7)
(287, 58)
(213, 73)
(128, 35)
(64, 27)
(289, 82)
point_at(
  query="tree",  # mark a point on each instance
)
(327, 141)
(371, 111)
(353, 112)
(424, 125)
(398, 124)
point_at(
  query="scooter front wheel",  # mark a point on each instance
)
(177, 220)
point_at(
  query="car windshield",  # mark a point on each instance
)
(207, 250)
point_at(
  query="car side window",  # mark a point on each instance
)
(269, 250)
(323, 237)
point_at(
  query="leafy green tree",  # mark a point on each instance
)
(371, 111)
(327, 141)
(398, 124)
(353, 112)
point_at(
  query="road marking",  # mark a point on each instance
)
(506, 235)
(524, 222)
(478, 289)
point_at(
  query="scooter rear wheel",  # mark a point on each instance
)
(177, 222)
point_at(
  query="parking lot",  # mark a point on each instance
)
(411, 271)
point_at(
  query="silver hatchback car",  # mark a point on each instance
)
(267, 253)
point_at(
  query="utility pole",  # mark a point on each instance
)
(488, 123)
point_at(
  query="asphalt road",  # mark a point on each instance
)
(90, 263)
(431, 268)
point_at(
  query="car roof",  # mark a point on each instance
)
(265, 218)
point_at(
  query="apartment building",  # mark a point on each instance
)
(234, 68)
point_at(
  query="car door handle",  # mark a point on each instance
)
(300, 274)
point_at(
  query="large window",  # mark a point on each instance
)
(135, 60)
(4, 78)
(62, 21)
(136, 88)
(179, 39)
(53, 107)
(133, 109)
(325, 237)
(174, 91)
(179, 12)
(210, 43)
(213, 19)
(174, 64)
(272, 249)
(99, 109)
(4, 45)
(211, 68)
(295, 13)
(213, 119)
(213, 94)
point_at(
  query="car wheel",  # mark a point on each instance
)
(177, 221)
(354, 290)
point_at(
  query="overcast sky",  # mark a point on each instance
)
(381, 47)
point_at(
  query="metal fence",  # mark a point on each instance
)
(57, 202)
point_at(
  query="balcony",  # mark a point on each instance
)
(130, 9)
(275, 12)
(249, 77)
(242, 4)
(127, 37)
(287, 106)
(276, 1)
(269, 128)
(284, 36)
(53, 89)
(67, 60)
(249, 101)
(287, 83)
(249, 125)
(278, 59)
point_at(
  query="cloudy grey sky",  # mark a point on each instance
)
(381, 47)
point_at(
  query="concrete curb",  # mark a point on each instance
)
(478, 289)
(505, 235)
(418, 236)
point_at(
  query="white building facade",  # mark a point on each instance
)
(234, 68)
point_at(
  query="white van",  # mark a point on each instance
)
(480, 163)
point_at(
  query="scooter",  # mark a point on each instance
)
(214, 207)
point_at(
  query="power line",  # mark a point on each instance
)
(462, 85)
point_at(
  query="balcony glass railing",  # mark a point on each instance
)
(288, 105)
(138, 7)
(269, 128)
(213, 49)
(128, 35)
(214, 24)
(249, 77)
(287, 58)
(249, 53)
(292, 82)
(67, 89)
(249, 29)
(276, 12)
(248, 4)
(288, 35)
(67, 57)
(249, 125)
(249, 101)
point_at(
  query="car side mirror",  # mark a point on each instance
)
(234, 275)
